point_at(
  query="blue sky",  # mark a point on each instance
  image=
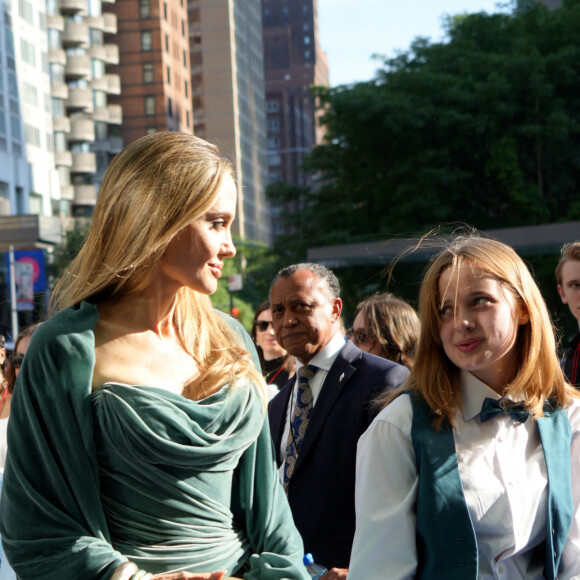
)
(352, 30)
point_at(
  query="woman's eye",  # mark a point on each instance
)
(219, 224)
(480, 300)
(445, 311)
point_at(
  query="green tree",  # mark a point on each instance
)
(483, 128)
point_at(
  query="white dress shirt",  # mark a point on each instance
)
(323, 361)
(503, 472)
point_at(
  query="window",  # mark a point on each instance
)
(274, 160)
(150, 130)
(273, 125)
(150, 105)
(168, 70)
(166, 42)
(184, 58)
(272, 106)
(186, 88)
(144, 8)
(307, 40)
(146, 40)
(196, 59)
(148, 73)
(165, 11)
(170, 107)
(183, 28)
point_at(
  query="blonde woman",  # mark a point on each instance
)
(472, 471)
(138, 442)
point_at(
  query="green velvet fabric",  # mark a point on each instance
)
(94, 479)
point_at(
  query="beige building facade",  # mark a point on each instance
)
(227, 77)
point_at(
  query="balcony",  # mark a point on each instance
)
(99, 84)
(85, 194)
(55, 21)
(57, 56)
(63, 159)
(112, 52)
(59, 90)
(98, 52)
(113, 84)
(115, 114)
(73, 6)
(78, 66)
(67, 192)
(83, 163)
(97, 22)
(61, 124)
(110, 25)
(82, 130)
(75, 34)
(80, 100)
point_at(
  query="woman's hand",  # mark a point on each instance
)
(191, 576)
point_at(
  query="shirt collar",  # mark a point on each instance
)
(473, 393)
(326, 357)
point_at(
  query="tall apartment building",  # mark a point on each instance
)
(154, 67)
(54, 115)
(227, 78)
(294, 60)
(85, 123)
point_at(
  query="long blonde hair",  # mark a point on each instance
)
(151, 190)
(538, 375)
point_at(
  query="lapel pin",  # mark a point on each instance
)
(341, 377)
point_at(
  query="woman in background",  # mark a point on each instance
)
(139, 446)
(277, 365)
(388, 327)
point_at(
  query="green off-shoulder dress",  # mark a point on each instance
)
(96, 478)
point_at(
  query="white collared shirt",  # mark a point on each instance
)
(323, 361)
(503, 473)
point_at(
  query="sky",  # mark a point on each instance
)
(353, 30)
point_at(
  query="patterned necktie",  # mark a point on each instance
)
(299, 420)
(491, 408)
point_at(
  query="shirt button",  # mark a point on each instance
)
(500, 569)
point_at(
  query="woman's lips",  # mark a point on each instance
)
(468, 345)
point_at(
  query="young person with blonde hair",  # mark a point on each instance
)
(472, 470)
(138, 446)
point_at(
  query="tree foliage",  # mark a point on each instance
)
(483, 128)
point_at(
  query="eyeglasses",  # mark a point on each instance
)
(263, 325)
(16, 359)
(359, 336)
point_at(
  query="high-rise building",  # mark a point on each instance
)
(294, 60)
(154, 67)
(54, 115)
(85, 123)
(227, 77)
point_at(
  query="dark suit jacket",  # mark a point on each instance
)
(321, 491)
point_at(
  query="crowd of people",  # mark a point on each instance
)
(150, 436)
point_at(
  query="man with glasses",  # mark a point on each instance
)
(317, 418)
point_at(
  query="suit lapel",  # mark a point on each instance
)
(278, 411)
(336, 379)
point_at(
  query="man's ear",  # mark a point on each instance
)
(561, 293)
(336, 309)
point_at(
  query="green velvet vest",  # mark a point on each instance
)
(446, 542)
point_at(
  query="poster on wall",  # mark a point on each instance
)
(30, 276)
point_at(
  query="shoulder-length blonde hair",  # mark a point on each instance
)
(152, 189)
(538, 376)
